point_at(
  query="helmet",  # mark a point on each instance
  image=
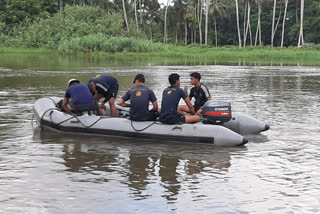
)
(71, 81)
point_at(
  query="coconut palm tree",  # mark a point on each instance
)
(140, 11)
(200, 4)
(135, 13)
(245, 2)
(247, 26)
(284, 20)
(273, 20)
(217, 8)
(301, 40)
(258, 31)
(275, 25)
(125, 14)
(61, 5)
(187, 17)
(207, 22)
(238, 24)
(165, 36)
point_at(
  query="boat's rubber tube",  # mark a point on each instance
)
(47, 115)
(244, 124)
(240, 123)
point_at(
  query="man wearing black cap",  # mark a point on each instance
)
(107, 87)
(79, 97)
(140, 96)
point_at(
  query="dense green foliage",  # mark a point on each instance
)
(94, 25)
(79, 29)
(100, 43)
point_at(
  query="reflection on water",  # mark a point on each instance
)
(140, 165)
(276, 172)
(60, 62)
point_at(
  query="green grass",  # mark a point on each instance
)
(4, 50)
(205, 51)
(194, 55)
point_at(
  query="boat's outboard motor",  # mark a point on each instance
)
(216, 112)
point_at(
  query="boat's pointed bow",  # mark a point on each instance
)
(266, 127)
(244, 141)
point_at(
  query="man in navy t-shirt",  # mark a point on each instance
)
(107, 87)
(139, 97)
(80, 98)
(199, 92)
(170, 100)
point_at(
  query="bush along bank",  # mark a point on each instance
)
(78, 29)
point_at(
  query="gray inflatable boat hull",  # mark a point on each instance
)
(48, 116)
(240, 123)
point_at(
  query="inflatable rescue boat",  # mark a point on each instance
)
(210, 131)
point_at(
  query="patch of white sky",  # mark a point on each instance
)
(164, 2)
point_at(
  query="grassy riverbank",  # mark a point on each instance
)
(201, 55)
(199, 51)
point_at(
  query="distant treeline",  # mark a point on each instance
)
(137, 25)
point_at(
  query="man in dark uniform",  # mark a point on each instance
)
(79, 97)
(139, 97)
(107, 87)
(170, 100)
(200, 93)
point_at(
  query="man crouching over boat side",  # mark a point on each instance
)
(107, 87)
(80, 98)
(139, 97)
(170, 100)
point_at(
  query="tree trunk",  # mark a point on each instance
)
(165, 24)
(301, 41)
(273, 19)
(250, 33)
(258, 32)
(191, 33)
(200, 22)
(185, 33)
(297, 18)
(61, 6)
(206, 27)
(151, 30)
(125, 14)
(284, 20)
(198, 16)
(276, 27)
(215, 31)
(245, 23)
(140, 11)
(177, 31)
(195, 27)
(247, 27)
(135, 13)
(238, 24)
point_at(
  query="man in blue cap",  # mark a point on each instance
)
(107, 87)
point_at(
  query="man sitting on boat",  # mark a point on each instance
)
(107, 87)
(200, 93)
(170, 100)
(139, 97)
(79, 97)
